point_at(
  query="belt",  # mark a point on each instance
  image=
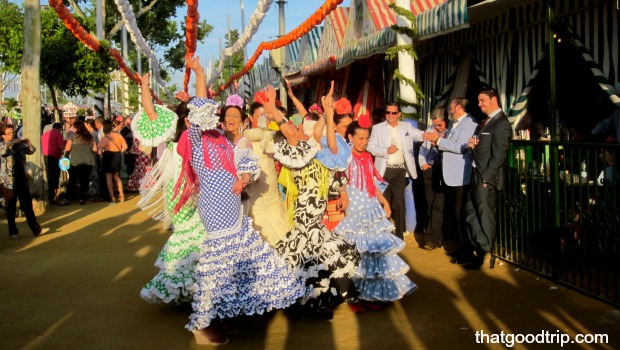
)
(396, 166)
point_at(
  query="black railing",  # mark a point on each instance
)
(560, 214)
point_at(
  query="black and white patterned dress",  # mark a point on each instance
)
(323, 259)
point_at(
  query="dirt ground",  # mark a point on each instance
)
(78, 288)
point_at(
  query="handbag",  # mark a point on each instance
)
(333, 214)
(64, 163)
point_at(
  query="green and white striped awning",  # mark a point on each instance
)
(375, 43)
(441, 19)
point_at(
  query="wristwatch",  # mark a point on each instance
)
(282, 121)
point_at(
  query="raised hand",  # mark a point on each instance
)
(328, 100)
(144, 79)
(194, 63)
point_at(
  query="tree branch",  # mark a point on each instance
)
(76, 8)
(118, 25)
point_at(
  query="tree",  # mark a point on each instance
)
(11, 39)
(235, 63)
(31, 94)
(69, 66)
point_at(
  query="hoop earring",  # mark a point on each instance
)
(240, 130)
(350, 145)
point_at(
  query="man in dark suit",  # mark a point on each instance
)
(488, 177)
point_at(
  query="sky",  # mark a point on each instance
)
(217, 12)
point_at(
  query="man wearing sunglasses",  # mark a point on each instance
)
(391, 142)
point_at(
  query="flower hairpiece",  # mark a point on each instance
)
(273, 126)
(364, 121)
(261, 97)
(316, 109)
(343, 106)
(234, 100)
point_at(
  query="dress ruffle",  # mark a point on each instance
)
(175, 282)
(295, 157)
(153, 132)
(239, 274)
(381, 272)
(203, 112)
(339, 161)
(246, 162)
(367, 227)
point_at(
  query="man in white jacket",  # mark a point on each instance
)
(391, 142)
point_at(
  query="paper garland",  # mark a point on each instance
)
(317, 17)
(124, 7)
(90, 41)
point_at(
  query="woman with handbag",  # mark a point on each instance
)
(81, 147)
(111, 147)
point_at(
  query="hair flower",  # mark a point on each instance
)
(343, 106)
(364, 121)
(234, 100)
(273, 126)
(315, 108)
(261, 97)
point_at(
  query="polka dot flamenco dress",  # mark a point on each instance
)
(381, 273)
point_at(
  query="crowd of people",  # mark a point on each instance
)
(308, 212)
(82, 158)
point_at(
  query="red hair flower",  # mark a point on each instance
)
(364, 121)
(316, 109)
(261, 97)
(343, 106)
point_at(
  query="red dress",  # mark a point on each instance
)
(143, 164)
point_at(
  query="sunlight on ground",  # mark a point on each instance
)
(398, 313)
(277, 327)
(144, 251)
(40, 340)
(124, 272)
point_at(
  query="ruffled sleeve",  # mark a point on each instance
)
(203, 112)
(294, 157)
(246, 162)
(339, 161)
(153, 132)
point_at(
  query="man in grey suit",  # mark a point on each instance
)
(391, 142)
(489, 177)
(456, 171)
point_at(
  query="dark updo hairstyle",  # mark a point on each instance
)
(182, 113)
(352, 129)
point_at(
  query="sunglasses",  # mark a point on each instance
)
(391, 112)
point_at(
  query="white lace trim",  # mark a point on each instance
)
(297, 157)
(203, 113)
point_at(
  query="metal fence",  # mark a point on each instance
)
(560, 214)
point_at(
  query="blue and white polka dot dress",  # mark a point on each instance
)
(238, 273)
(381, 273)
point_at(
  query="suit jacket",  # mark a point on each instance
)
(457, 158)
(380, 141)
(490, 153)
(428, 153)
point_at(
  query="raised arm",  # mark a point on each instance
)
(145, 97)
(288, 130)
(328, 104)
(300, 107)
(201, 83)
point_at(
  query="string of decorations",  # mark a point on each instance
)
(124, 7)
(255, 21)
(191, 35)
(317, 18)
(90, 41)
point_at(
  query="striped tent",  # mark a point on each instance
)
(309, 47)
(291, 62)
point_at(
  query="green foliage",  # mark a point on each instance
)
(11, 103)
(67, 64)
(393, 51)
(161, 30)
(11, 36)
(237, 59)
